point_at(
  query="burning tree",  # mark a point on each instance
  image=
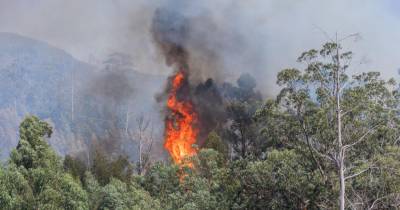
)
(180, 130)
(180, 124)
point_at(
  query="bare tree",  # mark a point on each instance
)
(143, 136)
(127, 121)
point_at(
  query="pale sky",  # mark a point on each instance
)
(277, 31)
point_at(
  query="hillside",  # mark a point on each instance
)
(39, 79)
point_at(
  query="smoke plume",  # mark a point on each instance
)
(175, 32)
(257, 36)
(210, 39)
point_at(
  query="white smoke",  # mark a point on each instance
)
(268, 34)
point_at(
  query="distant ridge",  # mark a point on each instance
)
(37, 78)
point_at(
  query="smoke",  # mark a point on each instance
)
(219, 39)
(257, 36)
(190, 37)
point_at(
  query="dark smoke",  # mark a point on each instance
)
(174, 34)
(210, 106)
(170, 32)
(188, 35)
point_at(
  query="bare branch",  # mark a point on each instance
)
(355, 35)
(351, 203)
(361, 138)
(324, 33)
(329, 157)
(350, 110)
(356, 174)
(381, 198)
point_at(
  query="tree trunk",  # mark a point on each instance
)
(339, 133)
(140, 156)
(342, 187)
(72, 95)
(127, 122)
(340, 151)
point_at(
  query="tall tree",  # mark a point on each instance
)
(334, 119)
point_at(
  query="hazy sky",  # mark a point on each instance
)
(277, 31)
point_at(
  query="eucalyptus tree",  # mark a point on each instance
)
(341, 123)
(34, 177)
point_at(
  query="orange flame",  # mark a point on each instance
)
(180, 131)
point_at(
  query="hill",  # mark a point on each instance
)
(78, 99)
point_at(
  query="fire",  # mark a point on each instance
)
(180, 130)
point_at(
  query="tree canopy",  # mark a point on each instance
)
(328, 140)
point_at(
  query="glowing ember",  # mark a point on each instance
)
(180, 131)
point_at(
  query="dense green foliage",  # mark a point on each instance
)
(278, 154)
(34, 177)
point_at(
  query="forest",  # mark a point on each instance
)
(328, 140)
